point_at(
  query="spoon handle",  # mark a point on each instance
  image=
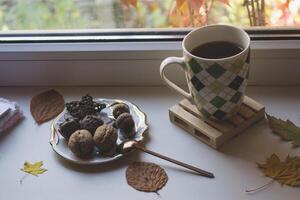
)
(200, 171)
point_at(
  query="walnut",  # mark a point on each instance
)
(81, 143)
(105, 137)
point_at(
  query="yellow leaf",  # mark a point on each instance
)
(33, 169)
(179, 17)
(285, 172)
(184, 8)
(152, 6)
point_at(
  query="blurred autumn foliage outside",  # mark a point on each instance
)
(95, 14)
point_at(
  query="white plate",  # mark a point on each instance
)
(59, 143)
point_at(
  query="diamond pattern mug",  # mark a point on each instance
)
(216, 86)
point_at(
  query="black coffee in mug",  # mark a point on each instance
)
(217, 49)
(227, 67)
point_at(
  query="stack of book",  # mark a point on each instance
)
(10, 114)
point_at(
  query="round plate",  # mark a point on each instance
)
(60, 146)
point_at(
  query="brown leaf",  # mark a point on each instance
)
(147, 177)
(46, 105)
(285, 172)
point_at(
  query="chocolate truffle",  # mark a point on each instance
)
(68, 127)
(119, 109)
(105, 137)
(114, 124)
(126, 125)
(91, 123)
(81, 143)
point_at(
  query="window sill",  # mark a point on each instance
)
(234, 164)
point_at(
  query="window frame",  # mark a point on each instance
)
(130, 57)
(134, 35)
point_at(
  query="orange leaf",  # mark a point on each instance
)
(184, 8)
(192, 4)
(152, 6)
(130, 2)
(183, 11)
(196, 4)
(179, 17)
(179, 3)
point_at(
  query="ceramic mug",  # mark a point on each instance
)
(216, 86)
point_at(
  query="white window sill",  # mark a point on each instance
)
(234, 167)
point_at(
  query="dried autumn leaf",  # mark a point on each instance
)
(147, 177)
(196, 4)
(287, 130)
(33, 169)
(187, 6)
(130, 2)
(152, 6)
(179, 2)
(46, 105)
(286, 172)
(190, 13)
(180, 16)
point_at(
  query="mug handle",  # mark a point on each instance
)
(164, 64)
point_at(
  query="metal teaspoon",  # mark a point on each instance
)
(129, 145)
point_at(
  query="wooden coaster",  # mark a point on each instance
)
(212, 132)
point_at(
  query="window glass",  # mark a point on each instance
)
(111, 14)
